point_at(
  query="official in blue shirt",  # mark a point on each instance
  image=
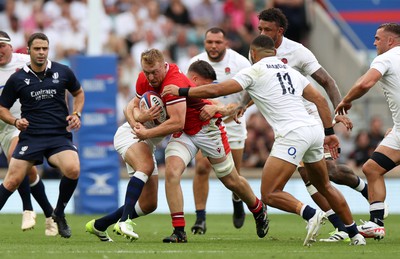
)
(44, 124)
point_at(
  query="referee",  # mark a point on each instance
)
(41, 88)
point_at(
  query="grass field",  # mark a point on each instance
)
(222, 240)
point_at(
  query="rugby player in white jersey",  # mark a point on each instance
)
(226, 63)
(385, 69)
(9, 63)
(273, 23)
(278, 92)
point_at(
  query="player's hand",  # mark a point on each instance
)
(22, 124)
(140, 131)
(239, 112)
(74, 122)
(208, 111)
(345, 120)
(331, 143)
(170, 89)
(343, 108)
(149, 114)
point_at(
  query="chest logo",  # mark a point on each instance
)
(27, 81)
(55, 78)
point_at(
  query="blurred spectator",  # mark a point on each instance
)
(260, 138)
(178, 13)
(17, 34)
(5, 16)
(207, 14)
(362, 151)
(296, 12)
(376, 132)
(347, 144)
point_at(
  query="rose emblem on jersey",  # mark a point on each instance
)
(284, 60)
(227, 70)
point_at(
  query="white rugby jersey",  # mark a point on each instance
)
(17, 62)
(301, 59)
(277, 90)
(229, 66)
(388, 64)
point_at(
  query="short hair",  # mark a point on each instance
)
(391, 27)
(274, 15)
(152, 56)
(37, 35)
(264, 42)
(204, 69)
(215, 30)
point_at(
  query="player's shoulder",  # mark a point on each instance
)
(200, 56)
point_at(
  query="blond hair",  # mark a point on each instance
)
(152, 56)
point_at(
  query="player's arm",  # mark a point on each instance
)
(331, 141)
(79, 100)
(134, 114)
(229, 86)
(328, 83)
(360, 87)
(174, 123)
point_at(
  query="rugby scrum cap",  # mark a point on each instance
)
(4, 38)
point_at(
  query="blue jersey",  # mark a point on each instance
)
(43, 101)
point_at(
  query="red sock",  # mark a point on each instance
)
(257, 208)
(178, 219)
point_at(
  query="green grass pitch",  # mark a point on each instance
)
(222, 240)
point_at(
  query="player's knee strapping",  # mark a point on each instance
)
(311, 189)
(383, 161)
(224, 168)
(174, 148)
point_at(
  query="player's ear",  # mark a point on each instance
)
(29, 50)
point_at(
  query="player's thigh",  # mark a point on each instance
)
(276, 173)
(67, 161)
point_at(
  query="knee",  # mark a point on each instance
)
(203, 167)
(72, 172)
(150, 207)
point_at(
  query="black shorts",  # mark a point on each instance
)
(34, 148)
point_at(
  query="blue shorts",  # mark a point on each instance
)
(34, 148)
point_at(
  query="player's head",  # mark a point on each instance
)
(387, 36)
(38, 49)
(201, 73)
(154, 66)
(262, 46)
(6, 49)
(215, 44)
(272, 22)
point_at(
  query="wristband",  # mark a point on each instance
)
(183, 91)
(15, 122)
(329, 131)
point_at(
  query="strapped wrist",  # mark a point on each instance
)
(183, 91)
(329, 131)
(15, 122)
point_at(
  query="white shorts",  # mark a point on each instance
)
(211, 140)
(237, 134)
(302, 144)
(6, 135)
(124, 138)
(392, 140)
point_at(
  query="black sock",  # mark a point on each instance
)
(39, 193)
(25, 193)
(66, 190)
(4, 195)
(103, 223)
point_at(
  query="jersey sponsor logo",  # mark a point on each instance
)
(43, 94)
(23, 150)
(100, 185)
(27, 81)
(55, 77)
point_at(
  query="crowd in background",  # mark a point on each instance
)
(177, 27)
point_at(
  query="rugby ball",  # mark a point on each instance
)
(148, 100)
